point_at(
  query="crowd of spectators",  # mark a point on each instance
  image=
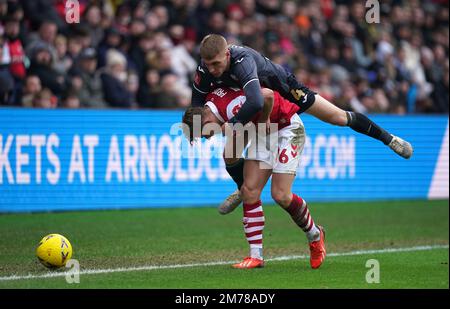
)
(143, 53)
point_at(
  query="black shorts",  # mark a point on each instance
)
(297, 93)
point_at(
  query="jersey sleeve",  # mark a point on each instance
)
(200, 87)
(246, 72)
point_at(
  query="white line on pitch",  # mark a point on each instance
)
(156, 267)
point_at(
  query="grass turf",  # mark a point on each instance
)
(112, 239)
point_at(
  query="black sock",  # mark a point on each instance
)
(236, 171)
(360, 123)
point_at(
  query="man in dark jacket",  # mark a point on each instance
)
(91, 92)
(41, 65)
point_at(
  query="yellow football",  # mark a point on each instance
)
(54, 251)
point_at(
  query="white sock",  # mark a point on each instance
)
(256, 253)
(313, 234)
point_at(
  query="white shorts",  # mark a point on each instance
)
(281, 150)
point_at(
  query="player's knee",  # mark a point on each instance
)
(339, 119)
(328, 112)
(249, 194)
(281, 197)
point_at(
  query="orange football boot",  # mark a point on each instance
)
(249, 262)
(317, 249)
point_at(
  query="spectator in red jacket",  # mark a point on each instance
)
(16, 51)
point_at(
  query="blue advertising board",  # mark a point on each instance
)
(58, 160)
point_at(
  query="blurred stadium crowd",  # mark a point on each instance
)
(143, 53)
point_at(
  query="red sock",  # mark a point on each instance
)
(300, 213)
(253, 224)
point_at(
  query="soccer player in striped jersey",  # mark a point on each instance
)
(276, 154)
(245, 68)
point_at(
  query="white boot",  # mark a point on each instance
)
(401, 147)
(230, 203)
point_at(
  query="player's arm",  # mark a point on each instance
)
(200, 87)
(246, 72)
(268, 105)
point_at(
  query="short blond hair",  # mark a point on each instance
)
(212, 45)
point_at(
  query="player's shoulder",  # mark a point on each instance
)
(237, 48)
(240, 53)
(223, 94)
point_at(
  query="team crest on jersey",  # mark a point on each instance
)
(219, 92)
(234, 106)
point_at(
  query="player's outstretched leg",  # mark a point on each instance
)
(360, 123)
(326, 111)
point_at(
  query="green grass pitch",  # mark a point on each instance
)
(119, 242)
